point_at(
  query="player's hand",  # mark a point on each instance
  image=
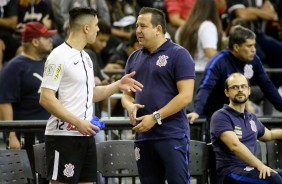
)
(127, 83)
(132, 111)
(86, 128)
(147, 122)
(265, 171)
(192, 117)
(14, 143)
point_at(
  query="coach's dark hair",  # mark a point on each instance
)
(239, 35)
(78, 12)
(226, 85)
(158, 17)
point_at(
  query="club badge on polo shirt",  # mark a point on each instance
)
(162, 61)
(253, 126)
(248, 71)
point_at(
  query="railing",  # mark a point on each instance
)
(120, 124)
(115, 72)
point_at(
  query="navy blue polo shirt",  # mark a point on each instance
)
(159, 72)
(211, 97)
(246, 126)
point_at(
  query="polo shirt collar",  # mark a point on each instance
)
(164, 46)
(236, 113)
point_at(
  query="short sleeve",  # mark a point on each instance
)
(208, 36)
(220, 123)
(184, 65)
(10, 82)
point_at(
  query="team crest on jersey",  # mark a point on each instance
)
(69, 170)
(137, 153)
(162, 61)
(248, 71)
(253, 126)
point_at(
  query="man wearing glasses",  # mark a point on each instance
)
(234, 134)
(240, 57)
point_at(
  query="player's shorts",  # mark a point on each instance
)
(71, 159)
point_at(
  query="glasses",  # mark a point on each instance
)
(237, 87)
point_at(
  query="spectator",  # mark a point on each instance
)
(20, 85)
(157, 113)
(201, 34)
(234, 134)
(8, 23)
(123, 16)
(68, 91)
(94, 51)
(121, 53)
(268, 48)
(178, 11)
(33, 10)
(117, 61)
(61, 8)
(240, 57)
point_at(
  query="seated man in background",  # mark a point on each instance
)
(234, 134)
(240, 57)
(256, 13)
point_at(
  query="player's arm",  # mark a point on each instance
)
(271, 135)
(181, 100)
(126, 83)
(9, 22)
(230, 139)
(49, 101)
(266, 12)
(6, 113)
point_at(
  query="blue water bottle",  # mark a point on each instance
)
(96, 121)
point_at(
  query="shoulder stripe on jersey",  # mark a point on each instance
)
(213, 62)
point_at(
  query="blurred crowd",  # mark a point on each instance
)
(200, 26)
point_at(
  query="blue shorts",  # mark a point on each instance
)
(241, 175)
(161, 160)
(71, 159)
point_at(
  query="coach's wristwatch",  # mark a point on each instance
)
(157, 117)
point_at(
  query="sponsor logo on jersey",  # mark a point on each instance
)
(58, 72)
(71, 127)
(162, 61)
(238, 131)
